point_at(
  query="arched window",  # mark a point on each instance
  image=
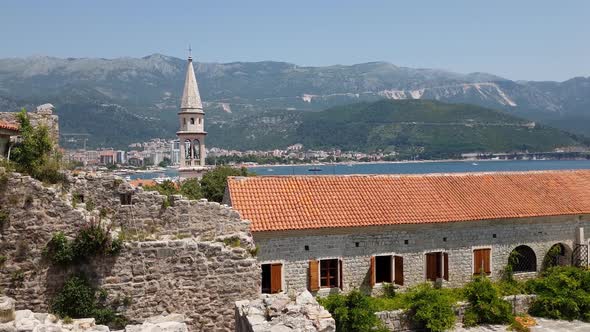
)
(523, 259)
(558, 255)
(199, 120)
(192, 120)
(197, 149)
(187, 149)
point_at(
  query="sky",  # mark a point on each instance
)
(516, 39)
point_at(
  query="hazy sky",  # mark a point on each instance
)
(517, 39)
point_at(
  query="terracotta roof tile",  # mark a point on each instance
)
(275, 203)
(8, 126)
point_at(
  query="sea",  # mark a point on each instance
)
(421, 167)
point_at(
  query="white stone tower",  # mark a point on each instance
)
(191, 134)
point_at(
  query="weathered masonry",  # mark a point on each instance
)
(327, 233)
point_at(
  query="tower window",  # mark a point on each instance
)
(192, 121)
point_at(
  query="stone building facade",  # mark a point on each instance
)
(174, 260)
(332, 233)
(355, 247)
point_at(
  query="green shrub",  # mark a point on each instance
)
(431, 308)
(389, 290)
(17, 278)
(79, 299)
(59, 250)
(3, 260)
(486, 306)
(562, 293)
(90, 206)
(352, 312)
(91, 241)
(233, 242)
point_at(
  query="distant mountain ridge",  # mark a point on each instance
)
(102, 95)
(426, 128)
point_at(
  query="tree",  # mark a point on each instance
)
(165, 162)
(191, 189)
(214, 182)
(34, 154)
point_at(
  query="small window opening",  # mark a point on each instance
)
(406, 241)
(444, 239)
(356, 244)
(494, 236)
(306, 248)
(192, 121)
(125, 199)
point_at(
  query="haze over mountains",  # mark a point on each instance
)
(119, 101)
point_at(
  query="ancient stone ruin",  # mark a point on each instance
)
(188, 257)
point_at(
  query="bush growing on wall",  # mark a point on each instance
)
(431, 308)
(562, 293)
(79, 299)
(486, 306)
(91, 240)
(352, 312)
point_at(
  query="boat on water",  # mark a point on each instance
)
(315, 169)
(474, 164)
(270, 170)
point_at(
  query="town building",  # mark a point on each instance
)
(192, 128)
(326, 233)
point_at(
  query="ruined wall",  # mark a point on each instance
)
(43, 115)
(181, 265)
(356, 245)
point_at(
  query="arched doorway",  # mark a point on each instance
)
(523, 259)
(558, 255)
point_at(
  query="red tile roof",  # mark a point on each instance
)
(143, 183)
(8, 126)
(274, 203)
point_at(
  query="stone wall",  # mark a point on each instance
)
(400, 320)
(280, 312)
(43, 115)
(356, 245)
(174, 259)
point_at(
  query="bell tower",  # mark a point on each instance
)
(191, 134)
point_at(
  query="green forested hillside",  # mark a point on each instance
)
(430, 128)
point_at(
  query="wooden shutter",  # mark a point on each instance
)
(446, 268)
(314, 275)
(276, 277)
(481, 261)
(431, 266)
(340, 274)
(486, 261)
(398, 263)
(372, 272)
(477, 260)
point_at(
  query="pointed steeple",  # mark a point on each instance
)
(191, 100)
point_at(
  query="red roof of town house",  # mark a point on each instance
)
(8, 126)
(143, 183)
(274, 203)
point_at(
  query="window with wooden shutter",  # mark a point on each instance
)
(399, 270)
(383, 269)
(481, 261)
(372, 271)
(330, 273)
(272, 278)
(314, 275)
(432, 271)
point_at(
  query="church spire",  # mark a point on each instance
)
(191, 100)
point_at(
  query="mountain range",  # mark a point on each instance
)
(123, 100)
